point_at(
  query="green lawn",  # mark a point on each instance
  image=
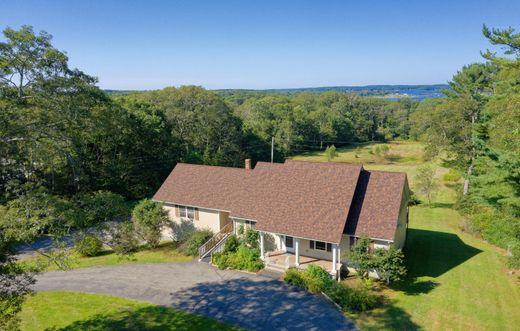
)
(81, 311)
(455, 281)
(166, 252)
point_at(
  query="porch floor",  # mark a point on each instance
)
(287, 260)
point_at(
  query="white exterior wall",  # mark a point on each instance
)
(400, 232)
(208, 219)
(316, 253)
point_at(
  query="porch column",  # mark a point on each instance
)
(339, 261)
(297, 251)
(262, 255)
(334, 260)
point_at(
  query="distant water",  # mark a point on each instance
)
(392, 92)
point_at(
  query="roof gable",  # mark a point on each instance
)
(302, 199)
(376, 204)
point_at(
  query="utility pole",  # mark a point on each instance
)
(272, 149)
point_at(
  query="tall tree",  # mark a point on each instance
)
(453, 124)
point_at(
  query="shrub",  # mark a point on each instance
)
(220, 260)
(330, 152)
(121, 239)
(194, 240)
(360, 257)
(88, 245)
(231, 244)
(295, 277)
(251, 238)
(321, 275)
(244, 258)
(148, 218)
(316, 279)
(102, 206)
(389, 264)
(414, 199)
(452, 176)
(351, 299)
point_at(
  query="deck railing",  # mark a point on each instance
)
(215, 240)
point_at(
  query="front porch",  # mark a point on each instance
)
(284, 260)
(287, 253)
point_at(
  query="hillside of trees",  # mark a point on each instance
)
(63, 139)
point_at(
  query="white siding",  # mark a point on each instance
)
(400, 232)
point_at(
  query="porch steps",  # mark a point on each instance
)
(276, 268)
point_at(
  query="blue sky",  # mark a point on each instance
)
(265, 44)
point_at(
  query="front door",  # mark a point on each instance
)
(289, 244)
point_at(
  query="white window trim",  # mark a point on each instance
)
(319, 249)
(185, 210)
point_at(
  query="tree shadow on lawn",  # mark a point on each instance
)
(260, 304)
(146, 318)
(431, 254)
(388, 317)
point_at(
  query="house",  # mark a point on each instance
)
(306, 212)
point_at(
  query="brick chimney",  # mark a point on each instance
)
(248, 164)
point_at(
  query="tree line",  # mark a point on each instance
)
(67, 147)
(478, 126)
(71, 154)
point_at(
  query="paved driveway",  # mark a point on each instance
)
(250, 301)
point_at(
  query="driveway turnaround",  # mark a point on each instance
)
(246, 300)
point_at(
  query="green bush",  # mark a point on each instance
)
(231, 244)
(316, 279)
(351, 299)
(414, 199)
(194, 240)
(251, 238)
(148, 218)
(452, 176)
(220, 260)
(313, 281)
(122, 239)
(244, 258)
(295, 277)
(319, 276)
(88, 245)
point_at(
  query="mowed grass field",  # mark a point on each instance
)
(71, 311)
(455, 281)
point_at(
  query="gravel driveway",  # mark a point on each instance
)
(249, 301)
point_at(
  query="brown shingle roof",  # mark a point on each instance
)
(302, 199)
(376, 205)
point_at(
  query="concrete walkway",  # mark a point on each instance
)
(249, 301)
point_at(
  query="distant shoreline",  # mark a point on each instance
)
(416, 92)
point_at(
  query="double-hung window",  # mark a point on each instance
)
(187, 212)
(320, 246)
